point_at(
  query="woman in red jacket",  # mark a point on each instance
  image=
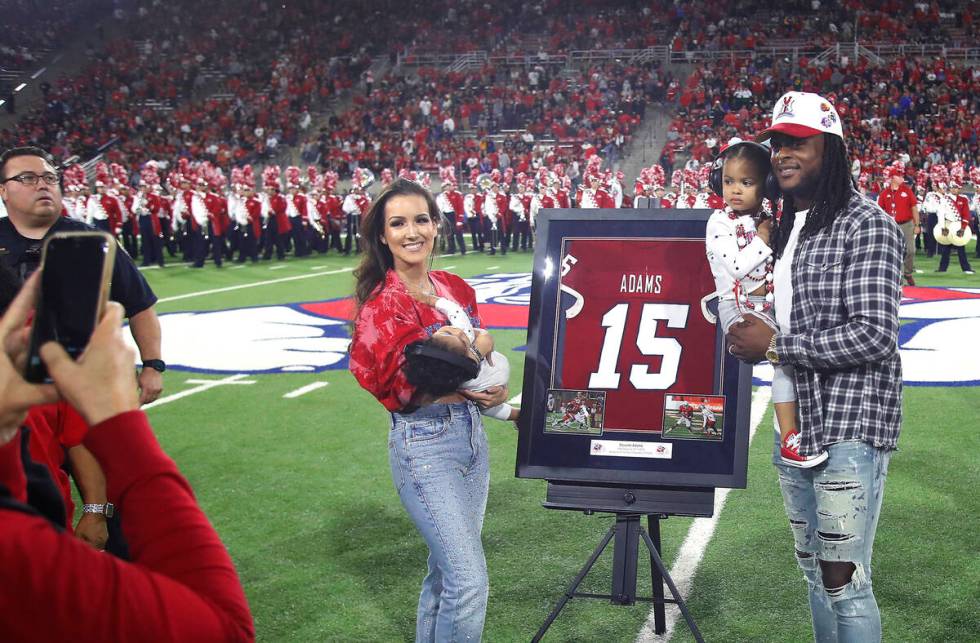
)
(437, 447)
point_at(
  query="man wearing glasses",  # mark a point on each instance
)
(31, 192)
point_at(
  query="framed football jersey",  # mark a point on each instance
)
(626, 380)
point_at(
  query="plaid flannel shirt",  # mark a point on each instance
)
(844, 324)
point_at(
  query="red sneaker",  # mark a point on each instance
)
(789, 453)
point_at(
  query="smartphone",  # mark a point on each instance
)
(76, 271)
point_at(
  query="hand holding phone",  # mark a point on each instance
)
(16, 395)
(102, 383)
(76, 268)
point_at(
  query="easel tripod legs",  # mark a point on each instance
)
(570, 592)
(629, 523)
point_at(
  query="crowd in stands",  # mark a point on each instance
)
(277, 61)
(436, 118)
(281, 63)
(34, 26)
(921, 112)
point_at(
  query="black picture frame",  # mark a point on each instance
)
(567, 458)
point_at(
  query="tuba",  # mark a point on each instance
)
(948, 230)
(365, 177)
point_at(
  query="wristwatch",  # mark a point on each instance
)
(155, 364)
(108, 509)
(771, 353)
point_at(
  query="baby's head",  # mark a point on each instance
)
(744, 168)
(440, 364)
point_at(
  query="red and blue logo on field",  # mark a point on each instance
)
(938, 339)
(305, 337)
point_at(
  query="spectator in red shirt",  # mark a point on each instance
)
(898, 200)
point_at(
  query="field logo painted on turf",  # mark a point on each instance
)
(938, 338)
(305, 337)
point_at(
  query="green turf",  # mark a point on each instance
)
(300, 492)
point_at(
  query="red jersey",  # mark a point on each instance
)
(898, 203)
(391, 320)
(632, 325)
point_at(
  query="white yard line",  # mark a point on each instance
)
(515, 400)
(169, 265)
(204, 386)
(236, 267)
(492, 267)
(251, 285)
(305, 389)
(280, 267)
(698, 536)
(448, 267)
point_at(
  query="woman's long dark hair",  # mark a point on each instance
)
(835, 186)
(377, 258)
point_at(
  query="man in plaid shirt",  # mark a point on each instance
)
(838, 288)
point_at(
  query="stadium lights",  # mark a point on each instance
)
(20, 87)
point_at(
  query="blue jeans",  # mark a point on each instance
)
(441, 470)
(833, 512)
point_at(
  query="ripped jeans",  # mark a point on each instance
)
(833, 511)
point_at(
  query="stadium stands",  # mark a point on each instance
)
(541, 84)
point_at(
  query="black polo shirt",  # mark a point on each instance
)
(23, 256)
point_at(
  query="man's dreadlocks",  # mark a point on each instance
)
(834, 189)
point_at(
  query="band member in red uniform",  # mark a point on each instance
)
(450, 202)
(250, 233)
(520, 208)
(954, 217)
(147, 207)
(128, 222)
(473, 211)
(296, 210)
(438, 449)
(331, 208)
(103, 209)
(218, 220)
(501, 194)
(356, 206)
(277, 226)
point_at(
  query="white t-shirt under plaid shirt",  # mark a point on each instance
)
(843, 339)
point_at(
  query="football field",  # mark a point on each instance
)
(288, 457)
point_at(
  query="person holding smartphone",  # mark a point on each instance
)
(181, 584)
(31, 191)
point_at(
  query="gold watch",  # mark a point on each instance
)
(771, 353)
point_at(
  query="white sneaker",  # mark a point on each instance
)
(968, 272)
